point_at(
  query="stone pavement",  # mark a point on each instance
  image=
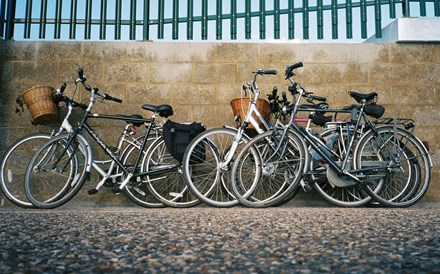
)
(291, 239)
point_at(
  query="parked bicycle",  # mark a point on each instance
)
(60, 167)
(387, 162)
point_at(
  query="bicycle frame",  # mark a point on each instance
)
(320, 147)
(249, 119)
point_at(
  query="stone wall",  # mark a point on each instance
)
(200, 79)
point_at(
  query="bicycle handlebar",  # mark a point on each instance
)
(289, 70)
(269, 71)
(104, 96)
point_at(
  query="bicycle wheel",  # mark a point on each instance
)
(209, 182)
(268, 169)
(56, 172)
(138, 192)
(405, 182)
(166, 182)
(348, 196)
(14, 164)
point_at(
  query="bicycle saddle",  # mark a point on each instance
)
(163, 110)
(135, 123)
(361, 96)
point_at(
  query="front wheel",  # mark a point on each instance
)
(56, 172)
(268, 169)
(205, 171)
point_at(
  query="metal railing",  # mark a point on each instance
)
(202, 19)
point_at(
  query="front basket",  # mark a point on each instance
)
(43, 109)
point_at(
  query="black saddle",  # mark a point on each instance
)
(163, 110)
(359, 97)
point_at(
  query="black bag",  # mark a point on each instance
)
(178, 136)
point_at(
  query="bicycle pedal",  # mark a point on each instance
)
(92, 191)
(116, 190)
(307, 188)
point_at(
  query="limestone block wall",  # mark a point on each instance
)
(200, 79)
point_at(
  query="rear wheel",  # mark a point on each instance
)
(14, 164)
(167, 183)
(407, 178)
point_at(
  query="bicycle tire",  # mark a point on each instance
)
(43, 179)
(204, 177)
(349, 196)
(14, 164)
(406, 184)
(168, 186)
(268, 169)
(138, 193)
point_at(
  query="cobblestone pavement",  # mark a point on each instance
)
(293, 239)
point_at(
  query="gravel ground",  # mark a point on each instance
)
(293, 239)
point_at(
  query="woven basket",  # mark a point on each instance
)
(39, 100)
(240, 107)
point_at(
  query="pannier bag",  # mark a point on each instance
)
(178, 136)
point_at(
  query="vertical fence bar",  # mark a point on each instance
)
(233, 19)
(291, 19)
(363, 19)
(72, 23)
(103, 20)
(437, 7)
(306, 19)
(219, 20)
(58, 14)
(392, 4)
(133, 20)
(422, 8)
(320, 17)
(247, 20)
(262, 13)
(277, 19)
(146, 21)
(27, 20)
(378, 18)
(43, 19)
(10, 18)
(405, 8)
(335, 19)
(204, 19)
(88, 20)
(190, 23)
(118, 16)
(2, 18)
(175, 19)
(349, 19)
(160, 26)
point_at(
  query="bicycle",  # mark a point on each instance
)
(208, 178)
(67, 159)
(390, 164)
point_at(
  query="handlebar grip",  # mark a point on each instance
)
(63, 87)
(297, 65)
(284, 96)
(114, 99)
(270, 71)
(80, 73)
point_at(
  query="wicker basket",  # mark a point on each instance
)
(240, 107)
(39, 100)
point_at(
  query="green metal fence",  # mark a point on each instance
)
(203, 19)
